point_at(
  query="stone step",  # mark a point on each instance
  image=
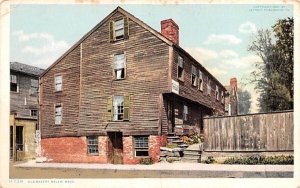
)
(191, 154)
(183, 145)
(192, 150)
(177, 141)
(173, 137)
(190, 160)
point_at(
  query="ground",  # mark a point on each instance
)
(176, 170)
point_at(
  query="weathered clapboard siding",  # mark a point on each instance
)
(17, 99)
(253, 132)
(192, 92)
(68, 67)
(84, 107)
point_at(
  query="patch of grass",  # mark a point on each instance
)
(259, 160)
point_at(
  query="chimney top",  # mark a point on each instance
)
(170, 30)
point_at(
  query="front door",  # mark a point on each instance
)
(116, 149)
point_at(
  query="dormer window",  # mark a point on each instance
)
(119, 29)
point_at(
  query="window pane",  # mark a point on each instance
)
(119, 24)
(180, 61)
(194, 72)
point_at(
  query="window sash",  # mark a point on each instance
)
(194, 71)
(180, 61)
(58, 114)
(118, 105)
(119, 61)
(13, 79)
(58, 83)
(141, 143)
(92, 144)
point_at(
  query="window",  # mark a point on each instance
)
(34, 84)
(222, 97)
(208, 87)
(118, 105)
(33, 112)
(119, 66)
(13, 83)
(194, 76)
(118, 108)
(180, 70)
(200, 81)
(58, 83)
(19, 138)
(185, 113)
(119, 29)
(141, 146)
(217, 92)
(92, 145)
(58, 114)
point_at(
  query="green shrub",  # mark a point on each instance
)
(209, 160)
(191, 139)
(171, 145)
(258, 160)
(146, 161)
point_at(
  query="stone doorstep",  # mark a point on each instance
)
(192, 154)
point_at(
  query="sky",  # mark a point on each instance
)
(216, 35)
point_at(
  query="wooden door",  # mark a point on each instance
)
(116, 153)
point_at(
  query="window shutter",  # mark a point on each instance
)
(126, 28)
(126, 107)
(112, 31)
(109, 108)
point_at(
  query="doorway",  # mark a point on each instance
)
(115, 147)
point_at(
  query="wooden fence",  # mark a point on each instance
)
(253, 132)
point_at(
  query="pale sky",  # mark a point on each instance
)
(216, 35)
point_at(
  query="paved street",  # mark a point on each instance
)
(160, 170)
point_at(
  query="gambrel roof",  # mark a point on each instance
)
(139, 22)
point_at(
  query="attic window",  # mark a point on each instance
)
(194, 76)
(119, 29)
(180, 70)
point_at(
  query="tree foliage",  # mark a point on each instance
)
(244, 101)
(273, 76)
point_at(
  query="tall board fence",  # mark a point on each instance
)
(254, 132)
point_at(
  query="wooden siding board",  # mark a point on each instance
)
(257, 132)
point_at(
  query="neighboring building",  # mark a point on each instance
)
(231, 98)
(23, 110)
(120, 90)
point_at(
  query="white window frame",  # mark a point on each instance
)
(208, 87)
(119, 66)
(14, 80)
(180, 65)
(92, 145)
(194, 74)
(200, 80)
(58, 83)
(118, 108)
(222, 97)
(217, 93)
(58, 114)
(119, 28)
(141, 143)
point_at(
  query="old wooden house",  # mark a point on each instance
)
(116, 94)
(23, 110)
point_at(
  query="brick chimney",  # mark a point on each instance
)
(233, 84)
(170, 30)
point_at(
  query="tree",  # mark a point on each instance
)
(273, 76)
(244, 101)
